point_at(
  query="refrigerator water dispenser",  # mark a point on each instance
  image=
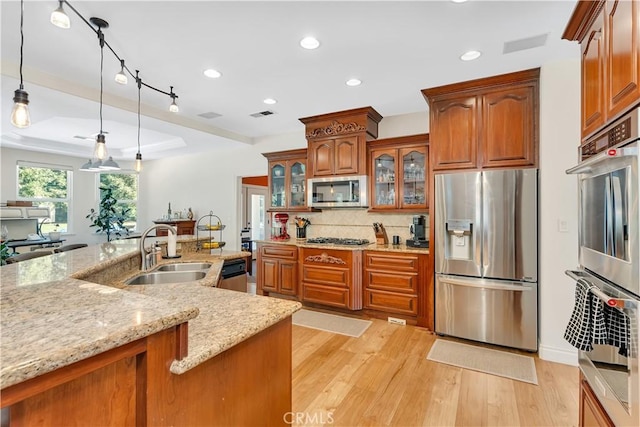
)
(458, 244)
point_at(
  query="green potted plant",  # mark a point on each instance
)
(108, 218)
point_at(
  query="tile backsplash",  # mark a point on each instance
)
(355, 224)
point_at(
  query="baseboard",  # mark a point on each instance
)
(559, 355)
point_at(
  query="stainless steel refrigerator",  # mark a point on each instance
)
(486, 256)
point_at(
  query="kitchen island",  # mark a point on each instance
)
(74, 337)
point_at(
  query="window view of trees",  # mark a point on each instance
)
(47, 187)
(125, 190)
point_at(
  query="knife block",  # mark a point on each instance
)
(381, 236)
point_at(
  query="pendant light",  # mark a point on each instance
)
(173, 107)
(100, 151)
(20, 113)
(138, 165)
(121, 77)
(59, 18)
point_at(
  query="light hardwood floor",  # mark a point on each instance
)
(384, 378)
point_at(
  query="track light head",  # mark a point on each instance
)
(121, 77)
(59, 17)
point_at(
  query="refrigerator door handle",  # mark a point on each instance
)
(487, 284)
(480, 228)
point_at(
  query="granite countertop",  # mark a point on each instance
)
(49, 318)
(370, 247)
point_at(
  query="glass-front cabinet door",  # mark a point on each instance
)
(384, 188)
(414, 178)
(297, 180)
(278, 192)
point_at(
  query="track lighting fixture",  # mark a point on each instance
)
(138, 165)
(20, 113)
(121, 77)
(173, 107)
(59, 17)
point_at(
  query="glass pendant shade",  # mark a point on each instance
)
(174, 107)
(110, 165)
(100, 150)
(138, 165)
(121, 77)
(59, 18)
(20, 113)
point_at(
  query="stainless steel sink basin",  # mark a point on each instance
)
(185, 266)
(159, 277)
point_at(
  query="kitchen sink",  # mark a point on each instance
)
(185, 266)
(159, 277)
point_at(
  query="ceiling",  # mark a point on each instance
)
(396, 48)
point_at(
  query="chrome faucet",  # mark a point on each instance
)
(148, 258)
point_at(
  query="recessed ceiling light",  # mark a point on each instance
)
(458, 1)
(211, 73)
(470, 55)
(270, 101)
(309, 43)
(354, 82)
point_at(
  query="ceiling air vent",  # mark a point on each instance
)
(210, 115)
(262, 114)
(523, 44)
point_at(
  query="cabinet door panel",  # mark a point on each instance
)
(413, 165)
(454, 134)
(391, 262)
(288, 277)
(346, 156)
(322, 152)
(593, 77)
(269, 274)
(508, 129)
(383, 179)
(623, 57)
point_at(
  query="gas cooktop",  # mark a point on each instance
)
(338, 241)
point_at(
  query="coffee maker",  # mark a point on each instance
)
(419, 231)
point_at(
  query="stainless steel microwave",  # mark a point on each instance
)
(338, 192)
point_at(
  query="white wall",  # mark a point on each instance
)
(559, 137)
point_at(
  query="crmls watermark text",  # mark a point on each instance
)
(315, 418)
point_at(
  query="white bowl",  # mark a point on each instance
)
(54, 235)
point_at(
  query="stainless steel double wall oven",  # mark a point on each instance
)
(609, 256)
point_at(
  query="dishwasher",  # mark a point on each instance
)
(234, 275)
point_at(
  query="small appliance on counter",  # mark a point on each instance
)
(418, 231)
(279, 227)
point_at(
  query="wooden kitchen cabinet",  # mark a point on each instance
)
(337, 141)
(391, 281)
(591, 413)
(399, 174)
(182, 227)
(609, 37)
(485, 123)
(287, 180)
(277, 269)
(328, 277)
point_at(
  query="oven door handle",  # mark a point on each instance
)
(617, 227)
(607, 299)
(587, 165)
(608, 217)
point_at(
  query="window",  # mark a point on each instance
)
(47, 186)
(125, 190)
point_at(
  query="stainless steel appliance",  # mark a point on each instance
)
(419, 231)
(233, 275)
(338, 192)
(609, 256)
(486, 257)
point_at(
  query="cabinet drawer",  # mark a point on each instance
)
(327, 295)
(394, 282)
(335, 277)
(278, 251)
(391, 302)
(394, 262)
